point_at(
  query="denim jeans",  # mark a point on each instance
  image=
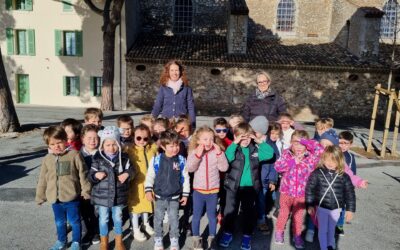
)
(340, 222)
(104, 214)
(63, 212)
(172, 206)
(210, 202)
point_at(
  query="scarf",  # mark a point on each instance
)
(175, 85)
(262, 95)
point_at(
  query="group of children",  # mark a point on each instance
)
(161, 165)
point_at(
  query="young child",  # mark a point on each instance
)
(242, 182)
(148, 120)
(205, 160)
(140, 155)
(330, 189)
(90, 223)
(295, 165)
(286, 122)
(125, 122)
(167, 181)
(62, 180)
(73, 129)
(184, 130)
(321, 126)
(110, 174)
(233, 121)
(160, 125)
(221, 128)
(94, 116)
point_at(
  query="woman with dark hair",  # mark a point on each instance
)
(175, 97)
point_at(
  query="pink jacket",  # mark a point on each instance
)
(295, 176)
(206, 169)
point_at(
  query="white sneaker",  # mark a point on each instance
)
(148, 228)
(158, 243)
(138, 235)
(310, 236)
(174, 243)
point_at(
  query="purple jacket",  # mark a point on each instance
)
(168, 104)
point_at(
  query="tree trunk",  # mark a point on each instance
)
(8, 116)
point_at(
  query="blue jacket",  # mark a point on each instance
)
(350, 161)
(168, 104)
(268, 172)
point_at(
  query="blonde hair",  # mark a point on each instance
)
(93, 112)
(263, 73)
(334, 153)
(242, 129)
(194, 141)
(324, 123)
(301, 134)
(147, 118)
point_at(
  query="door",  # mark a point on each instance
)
(23, 88)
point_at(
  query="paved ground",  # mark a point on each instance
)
(24, 225)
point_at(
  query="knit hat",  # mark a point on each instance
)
(113, 133)
(259, 124)
(331, 136)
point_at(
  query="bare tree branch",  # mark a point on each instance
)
(93, 7)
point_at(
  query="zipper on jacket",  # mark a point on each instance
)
(207, 171)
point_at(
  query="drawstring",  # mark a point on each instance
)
(329, 188)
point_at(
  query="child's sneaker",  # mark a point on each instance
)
(264, 228)
(138, 235)
(96, 239)
(211, 243)
(275, 214)
(279, 237)
(298, 242)
(148, 229)
(86, 240)
(331, 248)
(340, 231)
(197, 244)
(58, 246)
(174, 243)
(158, 244)
(225, 240)
(75, 246)
(310, 236)
(246, 242)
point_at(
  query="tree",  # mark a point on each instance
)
(111, 19)
(8, 116)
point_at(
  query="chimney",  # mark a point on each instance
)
(237, 27)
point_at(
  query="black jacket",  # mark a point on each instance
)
(342, 186)
(110, 191)
(234, 173)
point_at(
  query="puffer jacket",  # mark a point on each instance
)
(110, 191)
(342, 189)
(206, 169)
(295, 175)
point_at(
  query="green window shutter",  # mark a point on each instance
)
(10, 41)
(64, 86)
(31, 42)
(67, 5)
(58, 42)
(77, 86)
(28, 5)
(92, 81)
(9, 5)
(78, 43)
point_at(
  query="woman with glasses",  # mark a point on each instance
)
(263, 101)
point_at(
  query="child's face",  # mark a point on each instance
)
(234, 122)
(206, 139)
(274, 135)
(141, 138)
(321, 130)
(286, 123)
(56, 146)
(158, 128)
(127, 128)
(183, 130)
(71, 136)
(221, 131)
(330, 163)
(90, 140)
(344, 145)
(110, 146)
(297, 147)
(325, 143)
(171, 149)
(246, 139)
(95, 120)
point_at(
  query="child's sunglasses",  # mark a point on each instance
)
(139, 138)
(219, 130)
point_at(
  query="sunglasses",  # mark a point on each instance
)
(139, 138)
(219, 130)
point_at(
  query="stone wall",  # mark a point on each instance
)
(309, 93)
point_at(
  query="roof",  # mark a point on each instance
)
(238, 7)
(212, 51)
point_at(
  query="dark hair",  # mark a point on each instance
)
(169, 137)
(276, 127)
(93, 112)
(89, 127)
(75, 125)
(346, 135)
(220, 121)
(124, 119)
(56, 132)
(287, 115)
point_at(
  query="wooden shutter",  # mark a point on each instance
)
(67, 5)
(77, 86)
(28, 5)
(31, 42)
(92, 85)
(58, 42)
(64, 86)
(10, 41)
(78, 43)
(9, 5)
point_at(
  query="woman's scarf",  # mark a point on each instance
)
(175, 85)
(262, 95)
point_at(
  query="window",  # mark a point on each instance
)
(68, 43)
(67, 5)
(285, 16)
(183, 16)
(95, 85)
(20, 42)
(71, 86)
(23, 88)
(388, 22)
(19, 5)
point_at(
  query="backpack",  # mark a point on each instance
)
(181, 165)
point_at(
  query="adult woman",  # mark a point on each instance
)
(175, 97)
(264, 101)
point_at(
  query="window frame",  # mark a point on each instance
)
(283, 15)
(14, 42)
(387, 27)
(61, 43)
(182, 22)
(95, 87)
(16, 5)
(67, 88)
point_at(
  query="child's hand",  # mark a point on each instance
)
(122, 177)
(40, 203)
(100, 175)
(271, 187)
(183, 200)
(364, 184)
(256, 140)
(217, 148)
(311, 210)
(349, 216)
(200, 150)
(149, 196)
(238, 139)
